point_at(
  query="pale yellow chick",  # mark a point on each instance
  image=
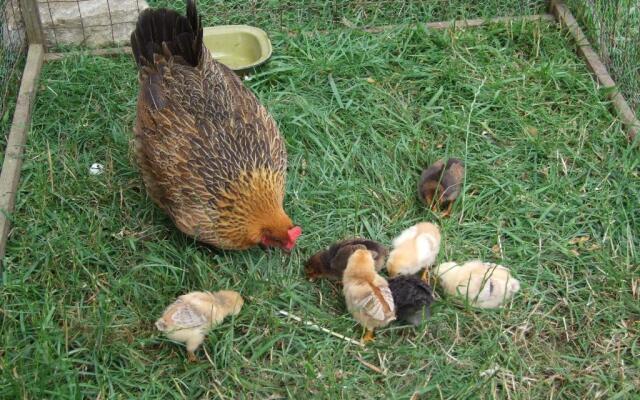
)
(367, 294)
(416, 248)
(192, 315)
(484, 285)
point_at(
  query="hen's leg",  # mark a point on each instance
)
(191, 356)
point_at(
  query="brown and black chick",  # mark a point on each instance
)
(331, 263)
(412, 297)
(442, 182)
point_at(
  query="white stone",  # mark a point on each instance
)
(96, 169)
(89, 22)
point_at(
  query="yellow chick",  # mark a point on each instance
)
(416, 248)
(192, 315)
(367, 294)
(484, 285)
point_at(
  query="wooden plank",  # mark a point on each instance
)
(109, 52)
(469, 23)
(597, 67)
(32, 23)
(10, 176)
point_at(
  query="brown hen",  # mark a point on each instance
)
(210, 154)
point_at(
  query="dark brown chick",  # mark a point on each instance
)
(412, 297)
(442, 182)
(210, 154)
(330, 263)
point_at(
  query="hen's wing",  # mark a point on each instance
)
(164, 131)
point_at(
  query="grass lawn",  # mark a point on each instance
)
(551, 190)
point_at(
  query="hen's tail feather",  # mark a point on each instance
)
(158, 28)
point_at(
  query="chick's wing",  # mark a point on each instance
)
(187, 317)
(378, 304)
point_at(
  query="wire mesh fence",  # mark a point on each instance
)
(613, 28)
(284, 15)
(95, 23)
(91, 23)
(12, 50)
(613, 25)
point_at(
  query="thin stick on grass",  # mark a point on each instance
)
(319, 328)
(50, 160)
(371, 366)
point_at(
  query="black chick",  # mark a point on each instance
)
(332, 262)
(441, 180)
(412, 297)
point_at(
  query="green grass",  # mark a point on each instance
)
(92, 263)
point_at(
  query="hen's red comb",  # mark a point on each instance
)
(294, 233)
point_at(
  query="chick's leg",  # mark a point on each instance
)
(368, 336)
(428, 200)
(425, 275)
(192, 345)
(447, 212)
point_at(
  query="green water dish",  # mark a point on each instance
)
(239, 47)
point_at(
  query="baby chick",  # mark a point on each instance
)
(192, 315)
(412, 298)
(444, 181)
(331, 263)
(416, 248)
(484, 285)
(367, 294)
